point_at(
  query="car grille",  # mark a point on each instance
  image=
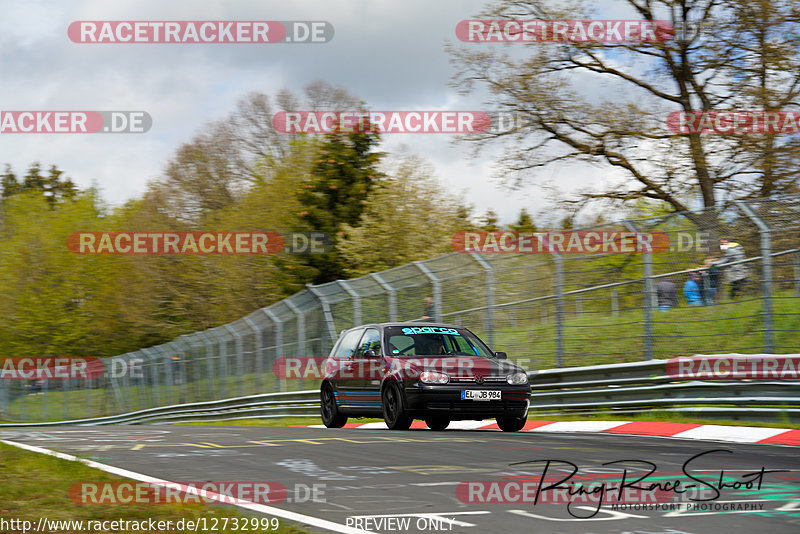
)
(471, 380)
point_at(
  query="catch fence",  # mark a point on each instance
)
(545, 310)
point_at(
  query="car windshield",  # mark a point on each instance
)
(434, 341)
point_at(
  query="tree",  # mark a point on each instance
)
(524, 222)
(215, 168)
(489, 221)
(407, 218)
(52, 187)
(335, 194)
(53, 300)
(744, 55)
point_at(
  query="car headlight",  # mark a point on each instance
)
(517, 378)
(434, 377)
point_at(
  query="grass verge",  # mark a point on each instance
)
(37, 486)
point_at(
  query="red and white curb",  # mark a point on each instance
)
(736, 434)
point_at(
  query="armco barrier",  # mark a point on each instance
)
(608, 390)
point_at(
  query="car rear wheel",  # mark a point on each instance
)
(437, 423)
(331, 416)
(511, 424)
(394, 410)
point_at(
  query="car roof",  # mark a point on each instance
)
(405, 324)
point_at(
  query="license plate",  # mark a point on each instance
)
(480, 394)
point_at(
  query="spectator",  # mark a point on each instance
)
(735, 275)
(691, 290)
(667, 293)
(428, 314)
(710, 278)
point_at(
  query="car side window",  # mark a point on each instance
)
(462, 345)
(347, 347)
(401, 345)
(370, 341)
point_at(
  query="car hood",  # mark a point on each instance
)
(455, 366)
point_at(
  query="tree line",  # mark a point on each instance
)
(381, 210)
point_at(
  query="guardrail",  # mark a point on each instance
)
(608, 390)
(641, 387)
(291, 404)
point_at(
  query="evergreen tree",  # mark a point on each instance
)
(524, 222)
(335, 194)
(51, 186)
(489, 221)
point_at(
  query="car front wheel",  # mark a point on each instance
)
(511, 424)
(331, 416)
(394, 410)
(437, 423)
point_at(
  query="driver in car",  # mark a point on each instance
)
(429, 344)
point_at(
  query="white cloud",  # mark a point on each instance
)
(389, 53)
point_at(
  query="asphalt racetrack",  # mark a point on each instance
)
(419, 480)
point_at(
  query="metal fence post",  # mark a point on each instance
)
(355, 297)
(182, 377)
(392, 292)
(168, 378)
(4, 399)
(278, 341)
(141, 383)
(766, 273)
(796, 265)
(113, 380)
(558, 263)
(437, 290)
(489, 270)
(330, 326)
(237, 339)
(301, 331)
(209, 364)
(153, 371)
(192, 366)
(649, 295)
(257, 353)
(222, 364)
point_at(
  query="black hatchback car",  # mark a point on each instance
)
(430, 371)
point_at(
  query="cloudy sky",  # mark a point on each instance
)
(390, 54)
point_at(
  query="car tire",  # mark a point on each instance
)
(511, 424)
(394, 409)
(437, 423)
(331, 416)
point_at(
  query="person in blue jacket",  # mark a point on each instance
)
(691, 290)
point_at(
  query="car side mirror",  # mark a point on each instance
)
(370, 354)
(501, 355)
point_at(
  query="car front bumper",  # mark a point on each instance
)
(445, 400)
